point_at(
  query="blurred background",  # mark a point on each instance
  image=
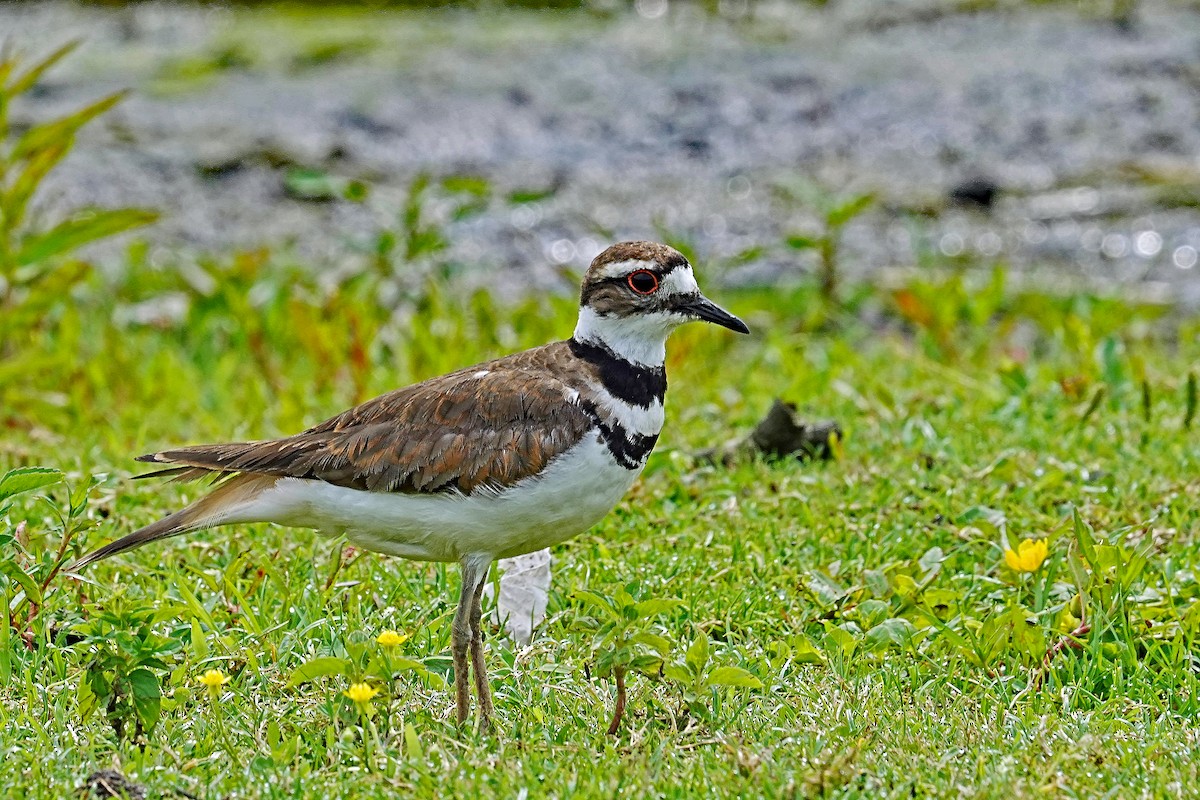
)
(772, 140)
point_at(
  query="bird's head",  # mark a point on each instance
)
(635, 293)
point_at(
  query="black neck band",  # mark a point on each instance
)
(631, 383)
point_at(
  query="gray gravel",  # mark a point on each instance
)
(694, 124)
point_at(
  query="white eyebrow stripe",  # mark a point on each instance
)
(618, 269)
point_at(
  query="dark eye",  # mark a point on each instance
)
(643, 281)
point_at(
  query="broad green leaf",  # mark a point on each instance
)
(894, 632)
(826, 589)
(596, 601)
(27, 479)
(23, 579)
(1108, 557)
(646, 664)
(660, 644)
(412, 742)
(655, 606)
(81, 491)
(85, 698)
(678, 673)
(931, 561)
(876, 581)
(147, 696)
(199, 643)
(733, 676)
(318, 668)
(384, 669)
(906, 587)
(839, 638)
(81, 229)
(805, 651)
(697, 653)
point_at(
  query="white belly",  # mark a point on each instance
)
(574, 492)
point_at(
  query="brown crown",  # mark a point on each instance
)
(606, 293)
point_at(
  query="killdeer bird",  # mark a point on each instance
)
(492, 461)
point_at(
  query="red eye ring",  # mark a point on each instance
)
(643, 281)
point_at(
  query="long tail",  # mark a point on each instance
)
(216, 508)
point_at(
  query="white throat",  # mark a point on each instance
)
(640, 339)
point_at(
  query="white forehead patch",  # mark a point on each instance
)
(680, 280)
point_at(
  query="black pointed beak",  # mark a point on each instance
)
(701, 307)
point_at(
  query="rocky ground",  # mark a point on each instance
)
(1048, 137)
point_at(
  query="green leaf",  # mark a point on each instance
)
(799, 242)
(840, 214)
(894, 632)
(468, 184)
(649, 665)
(27, 79)
(1190, 401)
(679, 673)
(839, 638)
(978, 514)
(83, 228)
(655, 606)
(931, 561)
(80, 493)
(85, 698)
(872, 612)
(596, 601)
(1083, 535)
(199, 643)
(412, 742)
(697, 653)
(24, 580)
(5, 637)
(318, 668)
(827, 591)
(805, 651)
(59, 132)
(659, 644)
(733, 676)
(27, 479)
(40, 164)
(313, 185)
(147, 696)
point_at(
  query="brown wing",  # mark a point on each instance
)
(486, 426)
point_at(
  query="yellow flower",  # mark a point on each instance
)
(361, 694)
(1028, 556)
(213, 680)
(391, 639)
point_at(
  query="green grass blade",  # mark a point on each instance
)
(80, 230)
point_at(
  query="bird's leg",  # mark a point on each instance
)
(460, 639)
(482, 690)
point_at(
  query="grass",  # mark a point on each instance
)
(847, 628)
(898, 656)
